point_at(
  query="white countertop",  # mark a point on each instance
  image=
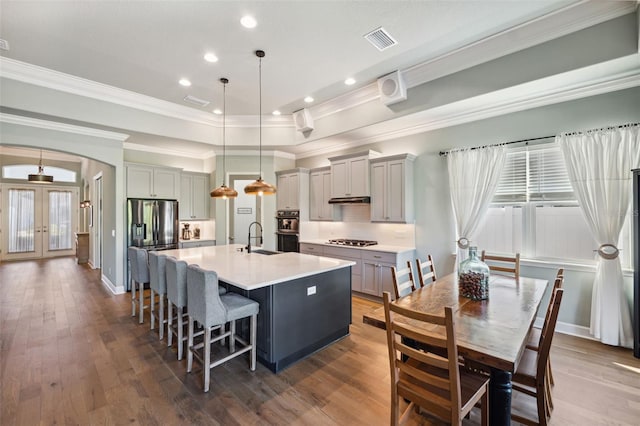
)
(378, 247)
(250, 271)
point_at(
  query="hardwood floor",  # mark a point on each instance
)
(71, 353)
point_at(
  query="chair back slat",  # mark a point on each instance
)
(548, 330)
(504, 264)
(426, 271)
(402, 281)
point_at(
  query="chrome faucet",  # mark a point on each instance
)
(257, 237)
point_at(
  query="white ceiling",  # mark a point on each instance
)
(136, 51)
(311, 46)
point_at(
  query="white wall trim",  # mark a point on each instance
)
(569, 329)
(61, 127)
(111, 287)
(167, 151)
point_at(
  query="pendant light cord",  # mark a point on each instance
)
(260, 111)
(224, 144)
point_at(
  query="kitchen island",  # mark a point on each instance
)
(305, 300)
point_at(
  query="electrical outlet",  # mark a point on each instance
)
(311, 290)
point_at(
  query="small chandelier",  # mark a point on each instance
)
(223, 191)
(260, 187)
(40, 177)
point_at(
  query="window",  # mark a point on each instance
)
(534, 211)
(22, 171)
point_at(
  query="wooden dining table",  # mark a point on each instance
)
(490, 332)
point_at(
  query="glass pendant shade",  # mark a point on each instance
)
(223, 191)
(40, 177)
(260, 187)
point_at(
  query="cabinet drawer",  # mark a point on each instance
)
(379, 256)
(339, 252)
(308, 248)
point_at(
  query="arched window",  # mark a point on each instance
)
(22, 171)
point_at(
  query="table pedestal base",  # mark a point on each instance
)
(500, 398)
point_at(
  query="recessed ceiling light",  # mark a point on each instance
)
(350, 81)
(217, 111)
(184, 82)
(248, 21)
(210, 57)
(276, 112)
(308, 99)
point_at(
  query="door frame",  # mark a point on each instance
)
(230, 210)
(96, 223)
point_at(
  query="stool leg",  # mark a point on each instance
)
(170, 325)
(254, 333)
(133, 298)
(206, 365)
(180, 332)
(152, 305)
(189, 345)
(161, 316)
(232, 337)
(141, 303)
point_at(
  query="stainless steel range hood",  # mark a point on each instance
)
(350, 200)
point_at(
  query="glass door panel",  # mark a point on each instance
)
(59, 224)
(24, 230)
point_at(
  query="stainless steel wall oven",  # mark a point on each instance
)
(287, 230)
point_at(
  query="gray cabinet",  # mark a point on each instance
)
(197, 243)
(194, 196)
(350, 175)
(289, 188)
(145, 181)
(392, 189)
(319, 195)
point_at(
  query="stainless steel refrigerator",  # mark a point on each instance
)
(152, 224)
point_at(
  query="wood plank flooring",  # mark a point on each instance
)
(70, 353)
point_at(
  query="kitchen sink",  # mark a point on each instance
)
(266, 252)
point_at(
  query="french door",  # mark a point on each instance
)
(38, 221)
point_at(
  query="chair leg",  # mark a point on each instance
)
(180, 333)
(485, 409)
(541, 402)
(206, 364)
(133, 298)
(152, 305)
(553, 383)
(161, 317)
(141, 303)
(170, 324)
(189, 345)
(254, 333)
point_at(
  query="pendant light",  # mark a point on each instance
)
(260, 187)
(223, 191)
(40, 177)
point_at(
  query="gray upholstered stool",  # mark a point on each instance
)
(213, 311)
(176, 273)
(139, 277)
(158, 284)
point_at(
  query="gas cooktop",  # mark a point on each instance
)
(356, 243)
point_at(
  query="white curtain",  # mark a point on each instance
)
(21, 220)
(60, 224)
(599, 164)
(473, 178)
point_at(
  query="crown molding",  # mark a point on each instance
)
(167, 151)
(61, 127)
(506, 101)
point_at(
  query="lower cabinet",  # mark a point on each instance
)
(82, 247)
(372, 272)
(197, 243)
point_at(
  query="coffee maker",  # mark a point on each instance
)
(186, 232)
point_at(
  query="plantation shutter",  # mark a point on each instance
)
(512, 186)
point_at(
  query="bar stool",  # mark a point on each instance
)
(139, 277)
(213, 311)
(158, 284)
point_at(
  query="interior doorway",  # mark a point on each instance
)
(242, 210)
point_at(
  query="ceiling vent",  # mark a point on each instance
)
(381, 39)
(196, 101)
(4, 44)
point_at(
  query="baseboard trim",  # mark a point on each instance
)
(112, 287)
(567, 328)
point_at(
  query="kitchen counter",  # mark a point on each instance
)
(305, 300)
(250, 271)
(378, 247)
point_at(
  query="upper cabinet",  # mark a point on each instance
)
(152, 182)
(194, 196)
(350, 175)
(392, 189)
(289, 187)
(319, 195)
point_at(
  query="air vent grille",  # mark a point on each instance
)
(4, 44)
(196, 101)
(381, 39)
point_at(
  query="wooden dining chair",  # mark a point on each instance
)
(530, 377)
(427, 380)
(426, 271)
(504, 265)
(403, 282)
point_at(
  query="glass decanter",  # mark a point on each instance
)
(473, 277)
